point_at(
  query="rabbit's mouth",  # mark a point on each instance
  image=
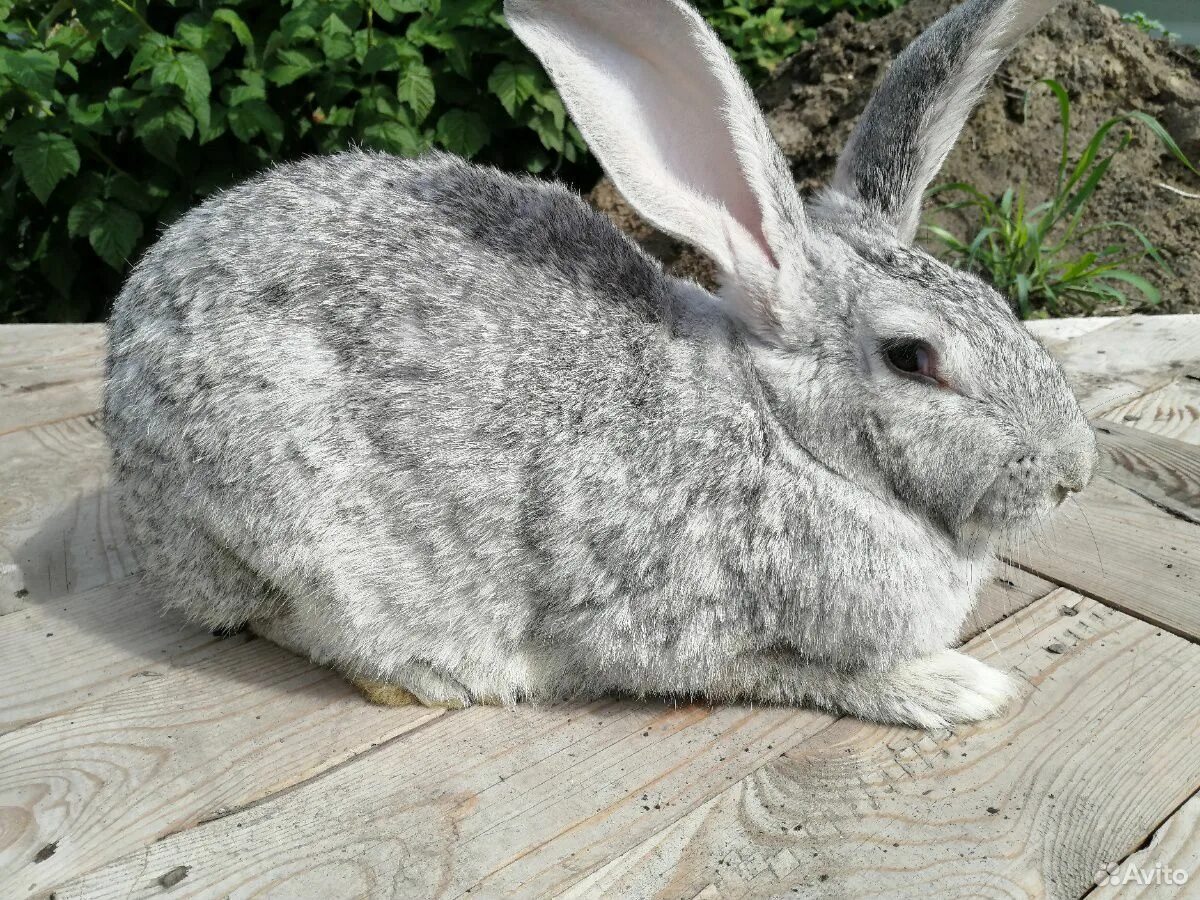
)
(1017, 503)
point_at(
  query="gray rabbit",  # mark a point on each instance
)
(448, 431)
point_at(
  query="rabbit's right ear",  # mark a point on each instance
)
(666, 111)
(919, 108)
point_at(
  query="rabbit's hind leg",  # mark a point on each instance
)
(416, 682)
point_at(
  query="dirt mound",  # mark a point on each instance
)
(1107, 67)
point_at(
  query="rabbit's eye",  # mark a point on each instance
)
(911, 357)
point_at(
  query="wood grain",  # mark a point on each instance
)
(1164, 471)
(1057, 333)
(484, 788)
(1172, 411)
(49, 373)
(1175, 846)
(1114, 545)
(60, 530)
(1099, 748)
(58, 654)
(172, 750)
(1117, 364)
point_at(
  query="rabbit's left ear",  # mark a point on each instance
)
(918, 110)
(666, 111)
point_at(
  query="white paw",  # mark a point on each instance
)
(947, 687)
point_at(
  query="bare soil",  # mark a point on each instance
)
(1107, 67)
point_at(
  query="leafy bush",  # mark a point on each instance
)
(1041, 255)
(117, 115)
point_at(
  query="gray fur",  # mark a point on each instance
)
(446, 428)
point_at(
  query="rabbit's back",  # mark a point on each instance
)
(367, 357)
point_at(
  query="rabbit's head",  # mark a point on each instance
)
(886, 364)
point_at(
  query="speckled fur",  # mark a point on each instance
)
(445, 428)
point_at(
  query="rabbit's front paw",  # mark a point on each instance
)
(943, 688)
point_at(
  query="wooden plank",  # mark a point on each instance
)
(60, 530)
(1156, 871)
(1115, 365)
(49, 373)
(56, 655)
(481, 789)
(22, 345)
(1008, 590)
(1099, 748)
(1055, 333)
(169, 752)
(1172, 411)
(1164, 471)
(1114, 545)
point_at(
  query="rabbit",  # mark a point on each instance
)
(448, 431)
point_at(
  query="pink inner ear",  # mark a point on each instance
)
(652, 91)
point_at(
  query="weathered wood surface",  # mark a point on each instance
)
(1172, 411)
(1115, 365)
(213, 732)
(611, 753)
(1162, 470)
(60, 530)
(1113, 544)
(1031, 805)
(1175, 848)
(136, 744)
(48, 373)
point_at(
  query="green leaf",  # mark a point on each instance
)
(513, 83)
(152, 49)
(33, 70)
(45, 159)
(547, 129)
(293, 64)
(138, 195)
(254, 117)
(243, 92)
(239, 28)
(428, 31)
(336, 39)
(119, 36)
(390, 54)
(82, 215)
(114, 233)
(393, 137)
(160, 124)
(416, 89)
(552, 103)
(463, 132)
(85, 115)
(187, 72)
(1149, 291)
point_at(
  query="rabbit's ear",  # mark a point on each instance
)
(665, 109)
(918, 110)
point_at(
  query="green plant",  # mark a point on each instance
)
(762, 33)
(1042, 255)
(118, 115)
(1146, 25)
